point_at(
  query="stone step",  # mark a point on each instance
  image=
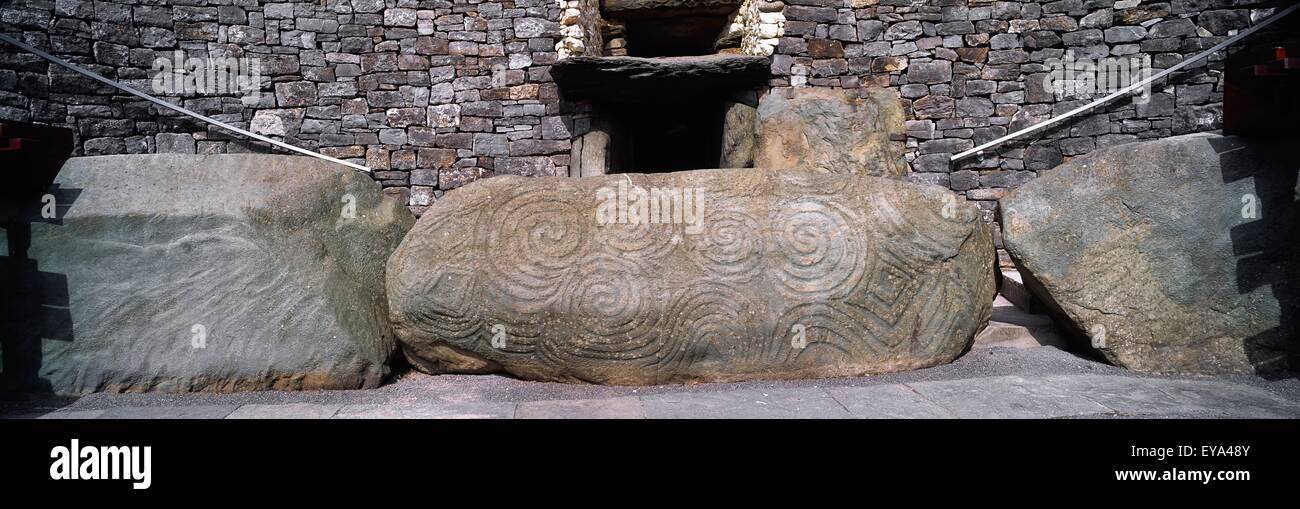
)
(1012, 327)
(1013, 288)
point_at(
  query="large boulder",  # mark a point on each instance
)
(833, 130)
(185, 272)
(709, 275)
(1177, 255)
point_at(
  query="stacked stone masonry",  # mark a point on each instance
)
(430, 94)
(434, 94)
(972, 71)
(580, 28)
(760, 24)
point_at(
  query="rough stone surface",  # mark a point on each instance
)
(495, 57)
(260, 254)
(739, 135)
(342, 77)
(1176, 255)
(831, 130)
(520, 275)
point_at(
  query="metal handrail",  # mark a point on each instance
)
(1130, 88)
(173, 107)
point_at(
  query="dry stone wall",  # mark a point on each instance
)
(431, 94)
(436, 93)
(971, 71)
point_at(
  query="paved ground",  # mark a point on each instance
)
(1040, 382)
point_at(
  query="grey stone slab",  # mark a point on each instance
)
(611, 408)
(127, 256)
(1153, 396)
(1125, 395)
(800, 403)
(427, 410)
(18, 416)
(1008, 397)
(285, 411)
(73, 414)
(998, 334)
(169, 412)
(1234, 400)
(893, 401)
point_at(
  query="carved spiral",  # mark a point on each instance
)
(647, 241)
(831, 332)
(532, 243)
(649, 229)
(709, 321)
(819, 249)
(730, 247)
(615, 305)
(817, 183)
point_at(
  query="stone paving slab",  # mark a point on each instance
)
(1153, 396)
(72, 414)
(1231, 400)
(1007, 397)
(45, 414)
(169, 412)
(797, 403)
(894, 401)
(993, 383)
(427, 410)
(610, 408)
(285, 411)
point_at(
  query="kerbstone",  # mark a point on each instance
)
(1140, 248)
(175, 272)
(785, 274)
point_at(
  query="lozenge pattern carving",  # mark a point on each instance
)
(786, 274)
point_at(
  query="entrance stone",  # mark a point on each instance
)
(711, 275)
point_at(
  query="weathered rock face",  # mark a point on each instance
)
(738, 136)
(184, 272)
(730, 275)
(1177, 255)
(834, 130)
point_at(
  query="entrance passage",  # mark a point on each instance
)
(665, 135)
(673, 36)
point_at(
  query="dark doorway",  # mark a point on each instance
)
(665, 135)
(673, 36)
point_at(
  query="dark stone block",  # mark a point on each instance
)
(825, 48)
(938, 71)
(806, 13)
